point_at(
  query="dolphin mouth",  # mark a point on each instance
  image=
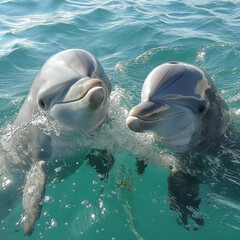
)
(96, 88)
(134, 123)
(150, 111)
(76, 93)
(144, 116)
(157, 118)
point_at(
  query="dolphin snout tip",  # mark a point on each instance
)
(129, 119)
(133, 123)
(132, 112)
(96, 96)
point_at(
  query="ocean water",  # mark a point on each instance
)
(129, 38)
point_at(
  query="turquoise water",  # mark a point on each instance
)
(129, 38)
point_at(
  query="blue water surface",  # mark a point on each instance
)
(129, 38)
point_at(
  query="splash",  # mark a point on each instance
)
(200, 56)
(234, 98)
(115, 136)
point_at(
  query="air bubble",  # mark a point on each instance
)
(53, 223)
(85, 203)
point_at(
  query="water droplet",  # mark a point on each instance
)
(155, 200)
(101, 176)
(103, 211)
(45, 214)
(5, 183)
(53, 223)
(95, 182)
(84, 202)
(48, 199)
(58, 169)
(23, 219)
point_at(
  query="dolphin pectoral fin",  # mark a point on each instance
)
(33, 193)
(183, 190)
(141, 165)
(102, 161)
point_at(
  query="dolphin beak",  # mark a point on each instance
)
(135, 124)
(96, 96)
(144, 114)
(149, 111)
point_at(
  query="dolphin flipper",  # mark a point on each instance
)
(183, 192)
(141, 165)
(33, 193)
(102, 161)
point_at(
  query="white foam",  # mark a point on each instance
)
(115, 136)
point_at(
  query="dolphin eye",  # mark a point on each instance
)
(201, 108)
(42, 104)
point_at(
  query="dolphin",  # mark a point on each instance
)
(71, 90)
(180, 103)
(182, 107)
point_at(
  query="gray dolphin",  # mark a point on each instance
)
(73, 90)
(180, 103)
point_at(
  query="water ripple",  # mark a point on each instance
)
(130, 38)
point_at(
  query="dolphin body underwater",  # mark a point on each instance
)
(181, 106)
(73, 90)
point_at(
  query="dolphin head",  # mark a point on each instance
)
(73, 88)
(180, 104)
